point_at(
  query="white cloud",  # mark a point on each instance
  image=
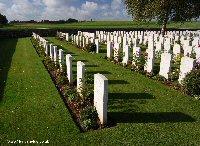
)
(2, 7)
(90, 6)
(63, 9)
(104, 6)
(116, 4)
(23, 10)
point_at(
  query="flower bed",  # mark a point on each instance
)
(80, 105)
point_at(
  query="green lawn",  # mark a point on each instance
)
(106, 24)
(145, 111)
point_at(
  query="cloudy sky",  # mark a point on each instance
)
(63, 9)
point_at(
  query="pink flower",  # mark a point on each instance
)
(113, 45)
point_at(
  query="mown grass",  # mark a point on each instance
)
(107, 24)
(145, 111)
(31, 107)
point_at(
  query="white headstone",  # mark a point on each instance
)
(188, 51)
(51, 52)
(80, 75)
(55, 55)
(150, 61)
(158, 47)
(165, 65)
(61, 58)
(67, 36)
(69, 68)
(126, 54)
(151, 42)
(176, 50)
(101, 97)
(197, 52)
(97, 45)
(136, 54)
(115, 39)
(124, 42)
(109, 49)
(46, 49)
(187, 65)
(84, 42)
(167, 47)
(116, 51)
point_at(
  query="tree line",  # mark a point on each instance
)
(4, 21)
(70, 20)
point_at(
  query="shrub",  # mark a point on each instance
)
(174, 75)
(72, 97)
(191, 83)
(159, 78)
(62, 80)
(150, 74)
(89, 113)
(49, 64)
(158, 54)
(177, 59)
(90, 47)
(87, 124)
(86, 88)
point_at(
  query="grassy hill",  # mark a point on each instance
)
(105, 24)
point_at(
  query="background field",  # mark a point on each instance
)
(106, 24)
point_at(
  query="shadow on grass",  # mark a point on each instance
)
(7, 49)
(117, 82)
(160, 117)
(82, 60)
(86, 65)
(101, 72)
(66, 51)
(130, 96)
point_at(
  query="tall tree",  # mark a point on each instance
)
(163, 10)
(3, 19)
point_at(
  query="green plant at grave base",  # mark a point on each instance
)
(64, 68)
(159, 78)
(177, 59)
(197, 65)
(89, 112)
(49, 64)
(149, 74)
(86, 89)
(87, 124)
(178, 42)
(62, 80)
(158, 54)
(72, 97)
(174, 75)
(191, 83)
(103, 43)
(39, 49)
(140, 62)
(70, 40)
(193, 55)
(90, 47)
(70, 92)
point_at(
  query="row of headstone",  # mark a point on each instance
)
(151, 38)
(166, 56)
(100, 81)
(155, 44)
